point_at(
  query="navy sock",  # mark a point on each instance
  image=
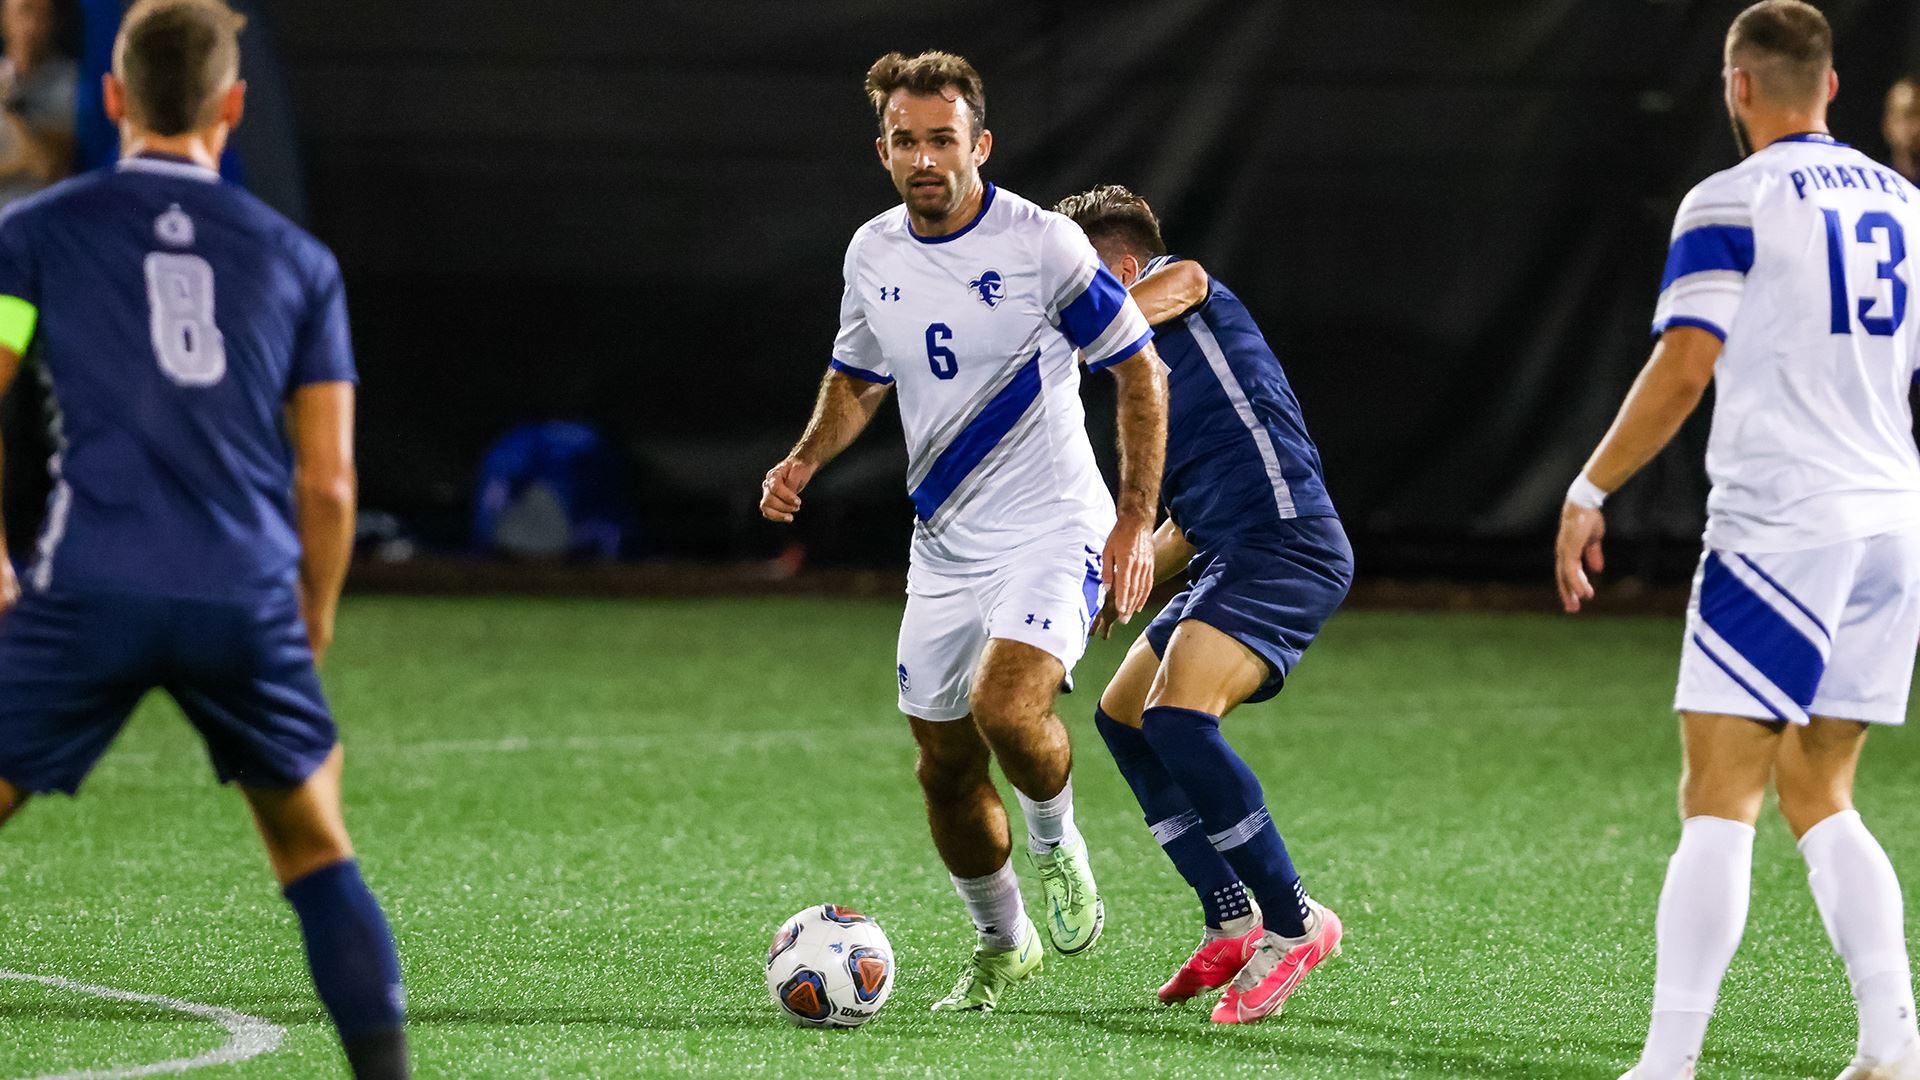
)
(355, 967)
(1232, 810)
(1174, 822)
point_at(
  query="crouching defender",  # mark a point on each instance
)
(1785, 287)
(1267, 563)
(187, 546)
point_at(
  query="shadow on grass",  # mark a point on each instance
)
(1361, 1042)
(621, 1019)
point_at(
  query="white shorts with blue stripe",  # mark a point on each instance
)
(1829, 631)
(1045, 596)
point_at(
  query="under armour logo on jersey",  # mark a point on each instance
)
(1045, 624)
(174, 227)
(889, 293)
(990, 287)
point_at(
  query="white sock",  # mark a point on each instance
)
(1703, 912)
(1049, 821)
(1859, 899)
(994, 903)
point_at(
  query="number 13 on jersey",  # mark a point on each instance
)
(1882, 232)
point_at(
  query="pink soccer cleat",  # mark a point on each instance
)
(1212, 965)
(1276, 968)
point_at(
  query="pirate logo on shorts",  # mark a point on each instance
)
(906, 684)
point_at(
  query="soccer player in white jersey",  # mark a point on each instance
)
(974, 301)
(1788, 285)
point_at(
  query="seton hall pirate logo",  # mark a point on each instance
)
(989, 288)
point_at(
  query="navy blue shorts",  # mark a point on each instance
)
(73, 666)
(1271, 589)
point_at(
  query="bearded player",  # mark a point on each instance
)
(1267, 562)
(197, 349)
(1787, 287)
(973, 301)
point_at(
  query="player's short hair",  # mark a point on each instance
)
(176, 58)
(1787, 46)
(1110, 214)
(928, 73)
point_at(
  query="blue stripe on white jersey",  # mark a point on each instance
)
(977, 439)
(1709, 247)
(1707, 263)
(859, 372)
(1092, 315)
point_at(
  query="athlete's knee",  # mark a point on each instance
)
(951, 768)
(11, 800)
(1721, 793)
(1115, 711)
(299, 849)
(1807, 800)
(1003, 707)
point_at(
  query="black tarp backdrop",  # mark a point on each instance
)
(1450, 218)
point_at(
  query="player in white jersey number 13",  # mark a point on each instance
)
(1787, 285)
(976, 303)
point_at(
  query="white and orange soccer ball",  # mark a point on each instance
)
(830, 966)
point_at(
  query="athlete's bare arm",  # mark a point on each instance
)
(9, 584)
(1171, 291)
(1666, 393)
(325, 492)
(1127, 563)
(842, 411)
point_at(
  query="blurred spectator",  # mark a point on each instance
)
(1902, 127)
(37, 91)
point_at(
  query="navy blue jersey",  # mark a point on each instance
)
(175, 316)
(1238, 453)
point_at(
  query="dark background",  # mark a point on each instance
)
(1449, 217)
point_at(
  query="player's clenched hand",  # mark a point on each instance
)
(780, 491)
(1127, 566)
(1103, 622)
(1577, 551)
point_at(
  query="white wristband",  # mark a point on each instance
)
(1585, 492)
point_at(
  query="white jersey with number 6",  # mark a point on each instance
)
(978, 329)
(1798, 259)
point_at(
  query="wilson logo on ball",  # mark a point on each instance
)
(805, 996)
(869, 968)
(845, 916)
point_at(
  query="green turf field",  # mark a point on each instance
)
(587, 819)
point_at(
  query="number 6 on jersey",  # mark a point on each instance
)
(180, 303)
(945, 365)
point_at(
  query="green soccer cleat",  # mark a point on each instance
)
(990, 972)
(1075, 912)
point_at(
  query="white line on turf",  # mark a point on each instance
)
(247, 1036)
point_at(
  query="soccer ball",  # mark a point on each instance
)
(830, 966)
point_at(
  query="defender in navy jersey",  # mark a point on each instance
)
(1267, 562)
(186, 331)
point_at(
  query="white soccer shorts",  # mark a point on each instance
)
(1046, 598)
(1830, 631)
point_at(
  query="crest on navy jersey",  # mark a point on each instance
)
(989, 287)
(174, 227)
